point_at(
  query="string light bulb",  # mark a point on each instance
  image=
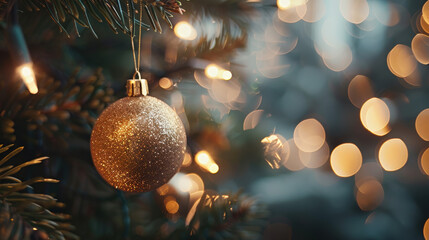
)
(27, 75)
(214, 71)
(206, 162)
(185, 31)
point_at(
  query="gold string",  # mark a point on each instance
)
(136, 60)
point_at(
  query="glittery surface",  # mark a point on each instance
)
(138, 144)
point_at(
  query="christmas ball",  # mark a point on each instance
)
(138, 144)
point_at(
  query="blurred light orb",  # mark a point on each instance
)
(226, 75)
(426, 229)
(28, 77)
(375, 116)
(424, 162)
(315, 159)
(309, 135)
(294, 162)
(286, 4)
(315, 11)
(346, 160)
(401, 61)
(354, 11)
(425, 11)
(293, 13)
(369, 171)
(212, 70)
(213, 168)
(252, 119)
(187, 160)
(360, 90)
(185, 31)
(393, 154)
(420, 48)
(369, 195)
(336, 58)
(206, 162)
(171, 205)
(422, 124)
(165, 83)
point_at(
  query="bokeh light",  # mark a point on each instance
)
(369, 171)
(171, 205)
(424, 162)
(425, 11)
(185, 31)
(309, 135)
(187, 160)
(401, 61)
(165, 83)
(360, 90)
(293, 163)
(422, 124)
(426, 230)
(393, 154)
(369, 195)
(315, 159)
(354, 11)
(286, 4)
(252, 119)
(375, 116)
(420, 47)
(346, 160)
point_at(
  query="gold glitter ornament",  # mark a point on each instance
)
(138, 143)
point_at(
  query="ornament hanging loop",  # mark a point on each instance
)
(138, 74)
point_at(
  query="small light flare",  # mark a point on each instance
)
(276, 150)
(206, 162)
(360, 90)
(346, 160)
(27, 74)
(354, 11)
(393, 154)
(422, 124)
(375, 116)
(185, 31)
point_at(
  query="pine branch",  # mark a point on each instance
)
(22, 213)
(70, 107)
(117, 13)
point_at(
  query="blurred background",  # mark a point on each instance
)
(306, 119)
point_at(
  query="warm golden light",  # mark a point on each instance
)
(401, 61)
(293, 12)
(426, 230)
(354, 11)
(425, 11)
(212, 70)
(375, 116)
(27, 74)
(286, 4)
(422, 124)
(420, 47)
(165, 83)
(309, 135)
(206, 162)
(171, 205)
(369, 195)
(346, 160)
(226, 75)
(185, 31)
(315, 11)
(360, 90)
(424, 162)
(393, 154)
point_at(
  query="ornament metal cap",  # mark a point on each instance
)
(137, 87)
